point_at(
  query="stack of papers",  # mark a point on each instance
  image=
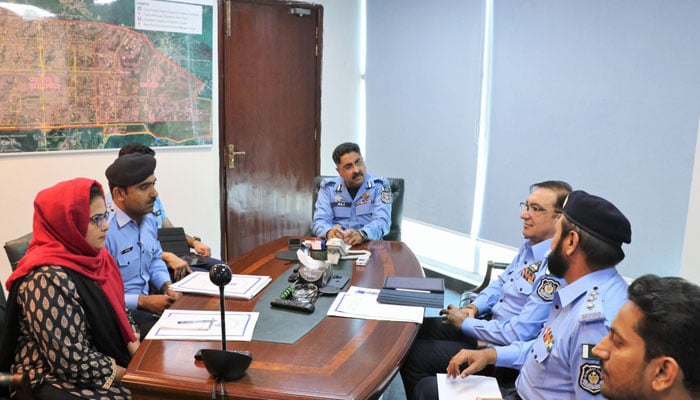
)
(240, 287)
(362, 303)
(203, 325)
(413, 291)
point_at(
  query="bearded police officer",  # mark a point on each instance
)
(559, 363)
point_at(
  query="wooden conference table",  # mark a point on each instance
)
(340, 358)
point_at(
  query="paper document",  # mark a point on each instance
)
(362, 303)
(240, 287)
(473, 387)
(203, 325)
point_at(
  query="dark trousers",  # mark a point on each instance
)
(145, 321)
(434, 347)
(427, 389)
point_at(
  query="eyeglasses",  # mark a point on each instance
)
(99, 219)
(532, 208)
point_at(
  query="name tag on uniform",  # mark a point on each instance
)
(128, 249)
(340, 204)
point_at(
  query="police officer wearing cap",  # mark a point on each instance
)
(559, 363)
(511, 308)
(132, 238)
(354, 206)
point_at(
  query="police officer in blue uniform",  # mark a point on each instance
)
(354, 206)
(559, 363)
(511, 308)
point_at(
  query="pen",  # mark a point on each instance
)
(199, 321)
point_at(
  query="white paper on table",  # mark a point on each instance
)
(203, 325)
(240, 287)
(362, 303)
(473, 387)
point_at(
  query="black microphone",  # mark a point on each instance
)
(222, 364)
(220, 275)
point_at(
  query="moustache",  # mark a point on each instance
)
(357, 175)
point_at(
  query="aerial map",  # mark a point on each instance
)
(79, 75)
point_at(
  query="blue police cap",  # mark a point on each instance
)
(130, 169)
(598, 217)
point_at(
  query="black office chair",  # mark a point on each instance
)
(16, 248)
(468, 296)
(397, 190)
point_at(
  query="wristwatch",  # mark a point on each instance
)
(363, 234)
(196, 239)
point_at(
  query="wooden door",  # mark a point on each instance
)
(271, 96)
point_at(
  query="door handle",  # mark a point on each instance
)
(232, 153)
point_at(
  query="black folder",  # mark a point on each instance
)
(413, 291)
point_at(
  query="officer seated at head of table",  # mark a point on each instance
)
(355, 206)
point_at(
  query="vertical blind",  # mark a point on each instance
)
(422, 84)
(601, 94)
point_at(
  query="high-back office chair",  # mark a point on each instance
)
(397, 190)
(469, 296)
(5, 377)
(16, 248)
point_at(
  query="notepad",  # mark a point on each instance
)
(240, 287)
(359, 302)
(472, 387)
(203, 325)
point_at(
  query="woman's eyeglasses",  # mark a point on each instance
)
(99, 219)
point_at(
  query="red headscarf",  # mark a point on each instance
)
(61, 218)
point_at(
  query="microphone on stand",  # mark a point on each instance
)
(222, 364)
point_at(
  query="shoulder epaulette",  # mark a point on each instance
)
(326, 181)
(592, 306)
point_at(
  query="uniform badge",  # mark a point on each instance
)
(589, 378)
(386, 197)
(365, 196)
(548, 339)
(546, 289)
(529, 272)
(338, 198)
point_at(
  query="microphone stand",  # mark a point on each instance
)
(224, 365)
(222, 307)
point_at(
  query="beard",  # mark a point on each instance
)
(556, 262)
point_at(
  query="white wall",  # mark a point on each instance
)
(22, 176)
(690, 259)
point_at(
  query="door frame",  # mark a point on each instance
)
(222, 151)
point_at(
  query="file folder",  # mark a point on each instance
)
(413, 291)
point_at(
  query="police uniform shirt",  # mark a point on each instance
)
(505, 297)
(158, 209)
(558, 364)
(526, 324)
(137, 252)
(159, 212)
(370, 210)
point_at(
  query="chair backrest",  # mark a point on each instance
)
(397, 190)
(468, 296)
(16, 248)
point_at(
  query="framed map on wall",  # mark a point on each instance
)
(95, 74)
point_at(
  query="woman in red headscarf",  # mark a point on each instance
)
(68, 333)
